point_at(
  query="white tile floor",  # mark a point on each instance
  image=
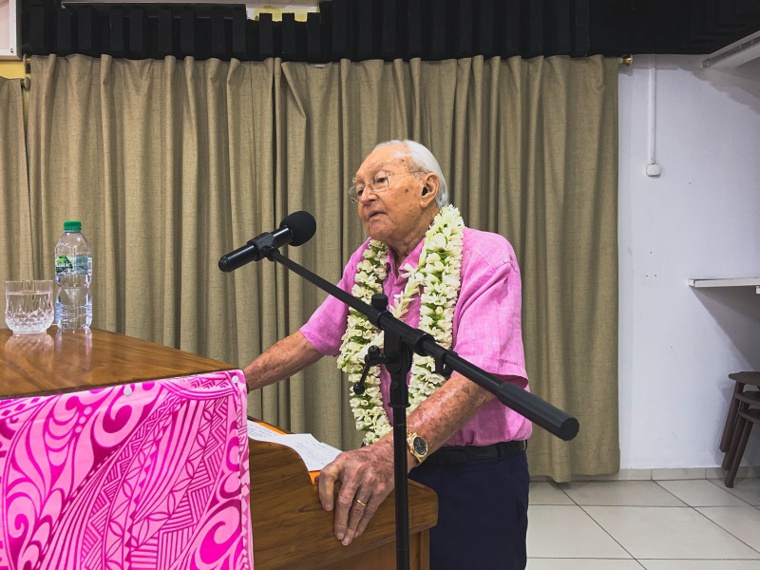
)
(656, 525)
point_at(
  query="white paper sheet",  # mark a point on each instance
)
(314, 454)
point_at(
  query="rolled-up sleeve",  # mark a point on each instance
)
(326, 327)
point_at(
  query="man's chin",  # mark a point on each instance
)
(377, 230)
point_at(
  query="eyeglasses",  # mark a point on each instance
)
(381, 181)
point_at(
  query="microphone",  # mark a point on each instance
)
(296, 229)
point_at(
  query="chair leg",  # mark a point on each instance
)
(735, 434)
(738, 452)
(733, 412)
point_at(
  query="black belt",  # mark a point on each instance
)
(456, 455)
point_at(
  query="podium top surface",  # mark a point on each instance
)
(65, 361)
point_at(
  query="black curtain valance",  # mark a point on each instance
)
(388, 29)
(351, 29)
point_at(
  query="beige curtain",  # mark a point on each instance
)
(15, 214)
(171, 163)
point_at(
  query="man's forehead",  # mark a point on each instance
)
(384, 156)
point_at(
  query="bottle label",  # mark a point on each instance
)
(77, 265)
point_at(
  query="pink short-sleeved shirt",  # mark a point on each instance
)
(487, 327)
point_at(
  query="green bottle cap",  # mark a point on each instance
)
(72, 226)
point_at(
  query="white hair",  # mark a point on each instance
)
(422, 159)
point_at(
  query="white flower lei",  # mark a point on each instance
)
(438, 274)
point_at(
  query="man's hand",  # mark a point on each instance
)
(366, 477)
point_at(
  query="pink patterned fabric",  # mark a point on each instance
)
(151, 475)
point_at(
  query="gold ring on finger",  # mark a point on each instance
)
(362, 503)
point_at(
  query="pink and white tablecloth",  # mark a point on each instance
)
(150, 475)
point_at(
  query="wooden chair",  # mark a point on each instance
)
(742, 401)
(746, 419)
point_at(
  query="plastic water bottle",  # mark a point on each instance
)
(73, 273)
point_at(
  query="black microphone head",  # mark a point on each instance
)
(302, 225)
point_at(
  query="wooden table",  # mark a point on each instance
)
(106, 438)
(65, 361)
(290, 528)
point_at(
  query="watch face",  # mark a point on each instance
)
(419, 445)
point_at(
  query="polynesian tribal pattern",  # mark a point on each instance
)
(148, 475)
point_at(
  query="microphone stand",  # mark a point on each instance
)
(398, 362)
(400, 340)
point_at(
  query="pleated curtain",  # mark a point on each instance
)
(170, 164)
(15, 212)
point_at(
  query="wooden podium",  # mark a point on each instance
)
(290, 528)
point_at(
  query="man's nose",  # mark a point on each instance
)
(368, 195)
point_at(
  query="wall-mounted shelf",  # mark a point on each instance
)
(728, 282)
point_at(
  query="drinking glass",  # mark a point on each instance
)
(29, 306)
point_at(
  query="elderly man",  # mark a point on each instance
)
(463, 287)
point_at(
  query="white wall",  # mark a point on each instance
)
(700, 218)
(8, 29)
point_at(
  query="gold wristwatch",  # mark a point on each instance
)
(417, 446)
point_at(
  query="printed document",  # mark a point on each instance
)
(314, 453)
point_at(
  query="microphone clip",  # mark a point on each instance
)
(263, 243)
(373, 358)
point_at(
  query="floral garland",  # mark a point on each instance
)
(438, 274)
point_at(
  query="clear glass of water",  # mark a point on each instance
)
(29, 306)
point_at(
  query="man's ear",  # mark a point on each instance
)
(429, 188)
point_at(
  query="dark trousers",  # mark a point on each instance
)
(482, 513)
